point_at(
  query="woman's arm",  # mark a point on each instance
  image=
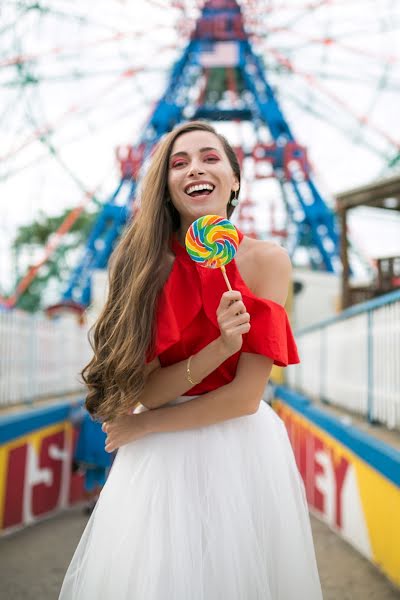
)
(242, 396)
(164, 384)
(238, 398)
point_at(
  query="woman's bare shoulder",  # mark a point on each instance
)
(258, 253)
(255, 246)
(268, 267)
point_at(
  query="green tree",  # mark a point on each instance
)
(30, 239)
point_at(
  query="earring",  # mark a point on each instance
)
(235, 199)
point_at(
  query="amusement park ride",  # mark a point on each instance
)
(219, 49)
(219, 77)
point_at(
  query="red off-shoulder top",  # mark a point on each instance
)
(186, 319)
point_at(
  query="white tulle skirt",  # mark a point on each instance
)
(215, 513)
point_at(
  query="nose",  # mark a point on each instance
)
(196, 168)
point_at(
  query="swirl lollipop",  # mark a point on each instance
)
(212, 241)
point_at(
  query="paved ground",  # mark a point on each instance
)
(33, 562)
(344, 573)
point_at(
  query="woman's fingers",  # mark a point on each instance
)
(228, 298)
(243, 328)
(115, 438)
(236, 308)
(110, 444)
(238, 320)
(121, 431)
(233, 320)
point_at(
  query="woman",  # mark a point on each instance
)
(204, 500)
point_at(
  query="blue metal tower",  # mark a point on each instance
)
(219, 58)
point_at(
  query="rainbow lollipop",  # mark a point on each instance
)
(212, 241)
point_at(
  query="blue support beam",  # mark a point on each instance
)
(220, 32)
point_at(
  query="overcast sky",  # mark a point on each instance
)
(79, 92)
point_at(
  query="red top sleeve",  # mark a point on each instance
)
(186, 319)
(270, 333)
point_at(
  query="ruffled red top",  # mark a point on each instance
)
(186, 319)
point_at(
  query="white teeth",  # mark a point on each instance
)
(199, 188)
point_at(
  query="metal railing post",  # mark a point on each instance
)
(370, 366)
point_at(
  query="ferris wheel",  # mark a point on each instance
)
(79, 82)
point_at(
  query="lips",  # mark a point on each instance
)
(199, 188)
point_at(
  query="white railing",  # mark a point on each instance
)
(40, 358)
(353, 360)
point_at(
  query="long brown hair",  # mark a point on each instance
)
(124, 331)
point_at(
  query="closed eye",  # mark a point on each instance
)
(178, 163)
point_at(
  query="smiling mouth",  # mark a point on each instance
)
(199, 190)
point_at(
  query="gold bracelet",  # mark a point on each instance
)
(188, 375)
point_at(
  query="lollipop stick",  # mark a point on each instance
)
(226, 278)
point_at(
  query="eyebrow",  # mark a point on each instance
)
(182, 153)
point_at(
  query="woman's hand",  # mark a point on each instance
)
(233, 320)
(122, 430)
